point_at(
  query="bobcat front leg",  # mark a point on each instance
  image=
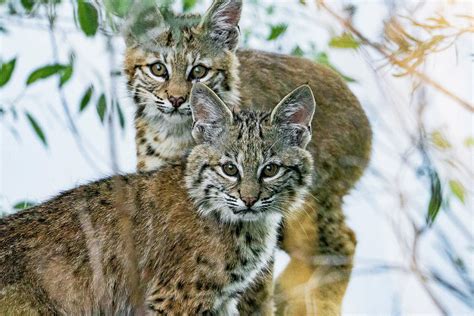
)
(258, 299)
(321, 248)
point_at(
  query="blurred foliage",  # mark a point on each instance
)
(86, 98)
(101, 107)
(346, 40)
(45, 72)
(188, 5)
(404, 48)
(439, 140)
(6, 71)
(37, 128)
(23, 205)
(120, 7)
(88, 17)
(458, 189)
(436, 198)
(412, 41)
(276, 31)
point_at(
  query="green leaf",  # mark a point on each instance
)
(86, 97)
(345, 40)
(88, 17)
(277, 31)
(436, 198)
(323, 58)
(37, 129)
(458, 189)
(121, 117)
(439, 140)
(188, 5)
(297, 51)
(66, 74)
(6, 71)
(28, 4)
(23, 205)
(118, 7)
(469, 142)
(101, 107)
(44, 72)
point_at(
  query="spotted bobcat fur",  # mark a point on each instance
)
(167, 54)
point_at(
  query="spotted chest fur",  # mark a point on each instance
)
(255, 247)
(217, 285)
(160, 145)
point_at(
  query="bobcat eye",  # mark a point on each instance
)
(270, 170)
(230, 169)
(158, 69)
(198, 72)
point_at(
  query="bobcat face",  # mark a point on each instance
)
(167, 54)
(249, 165)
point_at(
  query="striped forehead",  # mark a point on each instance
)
(170, 40)
(249, 135)
(250, 125)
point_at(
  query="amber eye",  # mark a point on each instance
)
(230, 169)
(158, 69)
(270, 170)
(198, 72)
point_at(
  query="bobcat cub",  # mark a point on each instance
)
(174, 241)
(168, 53)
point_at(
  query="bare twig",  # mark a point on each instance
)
(347, 24)
(71, 124)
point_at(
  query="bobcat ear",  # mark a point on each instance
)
(144, 23)
(221, 22)
(294, 114)
(211, 116)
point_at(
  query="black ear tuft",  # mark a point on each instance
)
(221, 22)
(294, 114)
(210, 115)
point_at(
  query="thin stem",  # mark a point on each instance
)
(394, 61)
(71, 125)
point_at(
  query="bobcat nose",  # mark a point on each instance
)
(176, 101)
(248, 200)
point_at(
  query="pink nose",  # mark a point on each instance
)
(249, 200)
(176, 101)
